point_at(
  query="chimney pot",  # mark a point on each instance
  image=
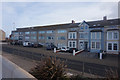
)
(73, 21)
(105, 18)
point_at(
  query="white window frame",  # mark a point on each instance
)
(84, 34)
(95, 45)
(95, 35)
(28, 37)
(91, 45)
(49, 31)
(72, 44)
(51, 38)
(27, 32)
(41, 37)
(62, 31)
(33, 32)
(117, 35)
(113, 46)
(113, 35)
(41, 32)
(33, 37)
(80, 35)
(92, 35)
(72, 35)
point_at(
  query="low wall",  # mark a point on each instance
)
(11, 70)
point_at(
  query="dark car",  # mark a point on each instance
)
(35, 45)
(51, 47)
(71, 50)
(40, 45)
(14, 42)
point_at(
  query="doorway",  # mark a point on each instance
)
(86, 45)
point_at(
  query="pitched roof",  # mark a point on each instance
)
(92, 24)
(102, 23)
(57, 26)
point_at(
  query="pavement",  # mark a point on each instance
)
(11, 70)
(22, 62)
(27, 64)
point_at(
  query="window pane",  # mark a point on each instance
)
(93, 44)
(61, 38)
(86, 35)
(33, 37)
(73, 29)
(97, 45)
(62, 31)
(50, 31)
(98, 35)
(33, 32)
(93, 35)
(27, 32)
(109, 46)
(20, 37)
(20, 33)
(16, 38)
(27, 38)
(70, 35)
(73, 35)
(82, 27)
(41, 32)
(73, 44)
(115, 46)
(49, 37)
(70, 44)
(81, 35)
(41, 37)
(109, 35)
(115, 35)
(15, 33)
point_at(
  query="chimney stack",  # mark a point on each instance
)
(73, 21)
(105, 18)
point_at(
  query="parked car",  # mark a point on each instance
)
(40, 45)
(71, 50)
(14, 42)
(64, 48)
(51, 47)
(27, 44)
(35, 45)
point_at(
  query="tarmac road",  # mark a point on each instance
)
(83, 66)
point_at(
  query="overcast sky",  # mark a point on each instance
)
(26, 14)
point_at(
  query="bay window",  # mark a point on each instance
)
(112, 46)
(72, 35)
(96, 45)
(72, 44)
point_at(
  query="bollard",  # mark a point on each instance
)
(54, 50)
(73, 52)
(100, 55)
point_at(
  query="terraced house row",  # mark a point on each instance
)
(92, 36)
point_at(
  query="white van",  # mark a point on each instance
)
(26, 43)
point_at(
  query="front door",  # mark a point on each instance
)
(85, 45)
(81, 45)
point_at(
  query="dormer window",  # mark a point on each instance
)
(82, 27)
(86, 27)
